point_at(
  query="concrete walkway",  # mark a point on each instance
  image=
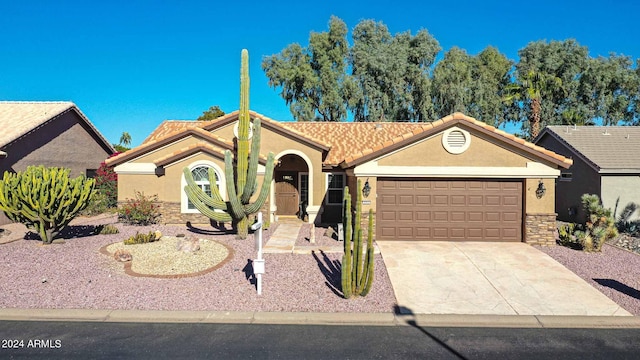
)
(488, 278)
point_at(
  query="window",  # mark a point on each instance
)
(304, 188)
(335, 188)
(566, 176)
(200, 173)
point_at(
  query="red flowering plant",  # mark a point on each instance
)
(142, 210)
(105, 196)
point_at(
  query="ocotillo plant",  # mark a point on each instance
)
(45, 199)
(241, 187)
(357, 268)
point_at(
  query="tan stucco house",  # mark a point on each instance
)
(452, 179)
(606, 162)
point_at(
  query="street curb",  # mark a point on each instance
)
(311, 318)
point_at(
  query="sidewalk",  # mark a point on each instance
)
(288, 318)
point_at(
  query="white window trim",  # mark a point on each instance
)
(184, 201)
(326, 186)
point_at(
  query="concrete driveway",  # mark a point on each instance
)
(487, 278)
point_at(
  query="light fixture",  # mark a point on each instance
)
(366, 189)
(541, 190)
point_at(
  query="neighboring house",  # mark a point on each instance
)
(606, 162)
(50, 134)
(453, 179)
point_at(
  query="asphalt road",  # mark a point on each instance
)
(100, 340)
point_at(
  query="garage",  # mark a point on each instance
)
(449, 209)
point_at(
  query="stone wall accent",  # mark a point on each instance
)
(171, 214)
(540, 229)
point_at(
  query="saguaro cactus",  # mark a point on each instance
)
(242, 185)
(357, 266)
(44, 198)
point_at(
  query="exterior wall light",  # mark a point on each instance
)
(366, 189)
(541, 190)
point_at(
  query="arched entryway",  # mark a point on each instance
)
(291, 177)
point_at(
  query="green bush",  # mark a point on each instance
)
(44, 199)
(142, 210)
(107, 229)
(142, 238)
(566, 233)
(600, 226)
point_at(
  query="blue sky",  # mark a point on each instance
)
(130, 64)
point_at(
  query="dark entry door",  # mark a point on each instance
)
(287, 192)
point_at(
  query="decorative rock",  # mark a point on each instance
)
(122, 255)
(329, 232)
(188, 245)
(180, 235)
(157, 234)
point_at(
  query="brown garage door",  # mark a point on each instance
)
(462, 210)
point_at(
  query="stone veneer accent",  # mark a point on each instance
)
(540, 229)
(171, 214)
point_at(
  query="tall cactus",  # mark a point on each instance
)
(241, 187)
(44, 198)
(357, 268)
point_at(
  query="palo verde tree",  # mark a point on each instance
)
(45, 199)
(241, 184)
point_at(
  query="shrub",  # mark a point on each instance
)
(566, 233)
(624, 224)
(107, 229)
(44, 198)
(599, 227)
(142, 210)
(143, 238)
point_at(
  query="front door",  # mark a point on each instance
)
(287, 192)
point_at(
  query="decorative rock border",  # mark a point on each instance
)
(129, 271)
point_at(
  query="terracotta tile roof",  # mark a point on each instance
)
(166, 140)
(608, 148)
(347, 138)
(428, 128)
(18, 118)
(169, 127)
(348, 142)
(189, 150)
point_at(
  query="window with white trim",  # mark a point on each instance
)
(335, 188)
(199, 172)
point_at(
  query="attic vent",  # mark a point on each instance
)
(456, 140)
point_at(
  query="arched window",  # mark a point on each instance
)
(200, 173)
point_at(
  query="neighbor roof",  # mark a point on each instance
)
(18, 118)
(347, 143)
(604, 147)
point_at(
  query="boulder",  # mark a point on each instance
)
(188, 245)
(122, 255)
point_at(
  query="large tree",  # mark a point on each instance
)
(313, 80)
(564, 60)
(609, 87)
(393, 73)
(527, 92)
(214, 112)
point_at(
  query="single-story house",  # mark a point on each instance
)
(452, 179)
(606, 162)
(51, 134)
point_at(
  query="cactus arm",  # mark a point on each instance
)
(370, 257)
(207, 211)
(266, 187)
(196, 193)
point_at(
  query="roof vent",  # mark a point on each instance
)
(379, 126)
(606, 132)
(456, 140)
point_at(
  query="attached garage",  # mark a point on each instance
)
(449, 209)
